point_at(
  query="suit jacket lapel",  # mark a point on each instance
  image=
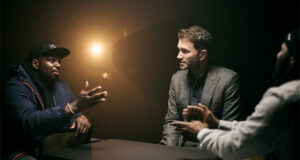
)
(185, 91)
(184, 99)
(210, 84)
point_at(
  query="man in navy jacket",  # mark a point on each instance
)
(37, 103)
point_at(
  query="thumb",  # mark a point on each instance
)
(73, 125)
(202, 106)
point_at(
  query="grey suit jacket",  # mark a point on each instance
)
(220, 94)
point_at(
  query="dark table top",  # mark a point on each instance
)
(115, 149)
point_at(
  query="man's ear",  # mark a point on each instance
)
(35, 63)
(203, 54)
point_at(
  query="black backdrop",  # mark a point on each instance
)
(140, 42)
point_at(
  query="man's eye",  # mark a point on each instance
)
(50, 59)
(185, 51)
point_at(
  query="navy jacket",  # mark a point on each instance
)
(25, 120)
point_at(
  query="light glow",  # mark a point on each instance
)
(106, 75)
(96, 49)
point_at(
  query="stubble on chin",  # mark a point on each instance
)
(51, 77)
(54, 78)
(182, 67)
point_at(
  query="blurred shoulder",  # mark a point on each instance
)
(289, 91)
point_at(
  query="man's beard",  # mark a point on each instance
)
(48, 80)
(281, 68)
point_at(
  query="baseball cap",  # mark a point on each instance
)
(48, 48)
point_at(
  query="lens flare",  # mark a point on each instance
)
(96, 49)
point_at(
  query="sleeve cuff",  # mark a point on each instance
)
(201, 135)
(225, 125)
(202, 132)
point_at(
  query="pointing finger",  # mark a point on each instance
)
(179, 123)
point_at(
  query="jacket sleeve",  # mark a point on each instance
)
(232, 101)
(260, 133)
(71, 97)
(21, 105)
(229, 125)
(170, 135)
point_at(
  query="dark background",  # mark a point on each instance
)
(139, 41)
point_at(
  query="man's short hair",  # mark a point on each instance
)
(199, 36)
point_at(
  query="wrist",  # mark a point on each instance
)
(214, 124)
(217, 123)
(74, 107)
(70, 108)
(68, 112)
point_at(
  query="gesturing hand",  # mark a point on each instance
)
(88, 98)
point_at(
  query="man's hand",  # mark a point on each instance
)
(82, 125)
(203, 114)
(190, 129)
(87, 99)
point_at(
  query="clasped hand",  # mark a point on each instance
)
(198, 117)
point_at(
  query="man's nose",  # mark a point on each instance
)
(57, 64)
(179, 56)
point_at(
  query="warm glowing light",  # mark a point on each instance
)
(96, 49)
(106, 75)
(125, 33)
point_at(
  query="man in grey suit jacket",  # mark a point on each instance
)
(197, 81)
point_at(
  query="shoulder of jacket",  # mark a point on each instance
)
(180, 74)
(222, 69)
(15, 85)
(223, 72)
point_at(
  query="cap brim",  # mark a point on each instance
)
(60, 52)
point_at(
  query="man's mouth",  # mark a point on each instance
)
(56, 72)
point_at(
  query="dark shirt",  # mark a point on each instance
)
(196, 87)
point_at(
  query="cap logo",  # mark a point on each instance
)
(52, 46)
